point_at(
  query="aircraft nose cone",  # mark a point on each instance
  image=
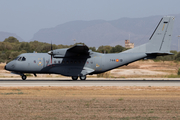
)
(10, 66)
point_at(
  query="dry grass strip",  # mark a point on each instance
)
(122, 103)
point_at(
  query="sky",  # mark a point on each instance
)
(26, 17)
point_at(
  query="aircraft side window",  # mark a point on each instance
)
(19, 59)
(23, 59)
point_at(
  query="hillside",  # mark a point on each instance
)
(4, 35)
(100, 32)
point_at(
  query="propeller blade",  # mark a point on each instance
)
(51, 59)
(51, 45)
(51, 52)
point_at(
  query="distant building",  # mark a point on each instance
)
(128, 44)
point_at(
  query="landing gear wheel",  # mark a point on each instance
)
(83, 77)
(23, 77)
(74, 77)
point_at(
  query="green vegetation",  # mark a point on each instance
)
(12, 93)
(174, 57)
(10, 48)
(110, 49)
(105, 75)
(178, 72)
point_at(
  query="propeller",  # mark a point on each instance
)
(51, 53)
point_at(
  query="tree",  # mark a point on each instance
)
(117, 49)
(92, 48)
(11, 39)
(13, 55)
(177, 57)
(104, 49)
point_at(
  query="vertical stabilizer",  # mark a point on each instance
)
(160, 41)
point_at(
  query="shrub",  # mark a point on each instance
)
(178, 71)
(105, 75)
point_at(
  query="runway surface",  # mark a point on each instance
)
(89, 82)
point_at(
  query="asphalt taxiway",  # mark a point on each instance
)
(89, 82)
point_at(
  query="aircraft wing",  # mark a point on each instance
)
(79, 48)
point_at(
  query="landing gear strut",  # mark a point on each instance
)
(23, 77)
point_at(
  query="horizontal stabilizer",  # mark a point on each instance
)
(159, 53)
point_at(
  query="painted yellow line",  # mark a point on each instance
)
(163, 27)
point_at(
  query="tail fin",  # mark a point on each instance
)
(160, 41)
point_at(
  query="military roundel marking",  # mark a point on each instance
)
(117, 60)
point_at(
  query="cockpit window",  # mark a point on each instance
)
(16, 58)
(23, 59)
(19, 59)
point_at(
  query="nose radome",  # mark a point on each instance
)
(5, 67)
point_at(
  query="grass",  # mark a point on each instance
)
(173, 76)
(122, 103)
(120, 99)
(12, 93)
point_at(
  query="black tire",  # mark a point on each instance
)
(74, 77)
(83, 77)
(23, 77)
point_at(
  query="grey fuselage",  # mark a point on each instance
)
(94, 64)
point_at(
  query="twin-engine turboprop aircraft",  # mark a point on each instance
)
(79, 61)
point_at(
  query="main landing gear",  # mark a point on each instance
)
(74, 77)
(23, 77)
(81, 77)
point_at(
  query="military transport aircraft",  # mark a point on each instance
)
(79, 61)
